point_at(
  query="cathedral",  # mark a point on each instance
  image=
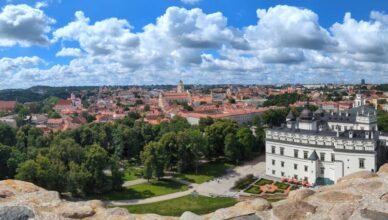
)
(321, 147)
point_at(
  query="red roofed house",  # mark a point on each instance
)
(63, 104)
(7, 106)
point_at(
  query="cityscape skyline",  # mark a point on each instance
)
(57, 43)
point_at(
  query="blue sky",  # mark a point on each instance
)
(100, 42)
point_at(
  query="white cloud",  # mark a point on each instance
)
(24, 25)
(363, 40)
(286, 44)
(69, 52)
(286, 26)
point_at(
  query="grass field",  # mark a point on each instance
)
(282, 186)
(142, 191)
(263, 181)
(206, 172)
(132, 173)
(175, 207)
(253, 189)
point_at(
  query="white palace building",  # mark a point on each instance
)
(322, 147)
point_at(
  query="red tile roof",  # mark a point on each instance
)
(64, 102)
(7, 104)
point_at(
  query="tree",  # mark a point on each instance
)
(5, 154)
(232, 149)
(77, 178)
(7, 135)
(197, 146)
(382, 122)
(153, 158)
(274, 117)
(205, 122)
(43, 172)
(215, 135)
(96, 161)
(245, 140)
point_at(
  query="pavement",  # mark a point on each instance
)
(221, 186)
(218, 187)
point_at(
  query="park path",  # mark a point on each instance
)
(150, 200)
(218, 187)
(221, 186)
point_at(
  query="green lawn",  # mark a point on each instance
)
(254, 189)
(145, 190)
(175, 207)
(282, 186)
(263, 181)
(133, 173)
(206, 172)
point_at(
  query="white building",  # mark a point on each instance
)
(322, 147)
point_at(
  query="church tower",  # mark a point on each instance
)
(180, 87)
(358, 101)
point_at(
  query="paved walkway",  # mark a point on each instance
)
(218, 187)
(150, 200)
(221, 186)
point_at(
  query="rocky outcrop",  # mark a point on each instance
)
(22, 200)
(362, 195)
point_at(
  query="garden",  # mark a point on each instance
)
(265, 186)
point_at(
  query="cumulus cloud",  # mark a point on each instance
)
(363, 40)
(285, 45)
(285, 26)
(24, 25)
(103, 37)
(69, 52)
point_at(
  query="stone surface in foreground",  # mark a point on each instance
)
(362, 195)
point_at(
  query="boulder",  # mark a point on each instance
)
(74, 210)
(337, 197)
(298, 195)
(360, 174)
(254, 205)
(189, 216)
(293, 210)
(20, 186)
(40, 199)
(118, 214)
(384, 197)
(383, 169)
(369, 186)
(16, 213)
(373, 215)
(6, 193)
(341, 212)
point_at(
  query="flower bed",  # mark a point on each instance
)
(282, 186)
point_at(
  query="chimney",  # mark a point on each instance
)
(350, 134)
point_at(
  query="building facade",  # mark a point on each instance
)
(322, 147)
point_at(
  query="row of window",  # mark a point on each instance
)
(282, 163)
(295, 175)
(305, 154)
